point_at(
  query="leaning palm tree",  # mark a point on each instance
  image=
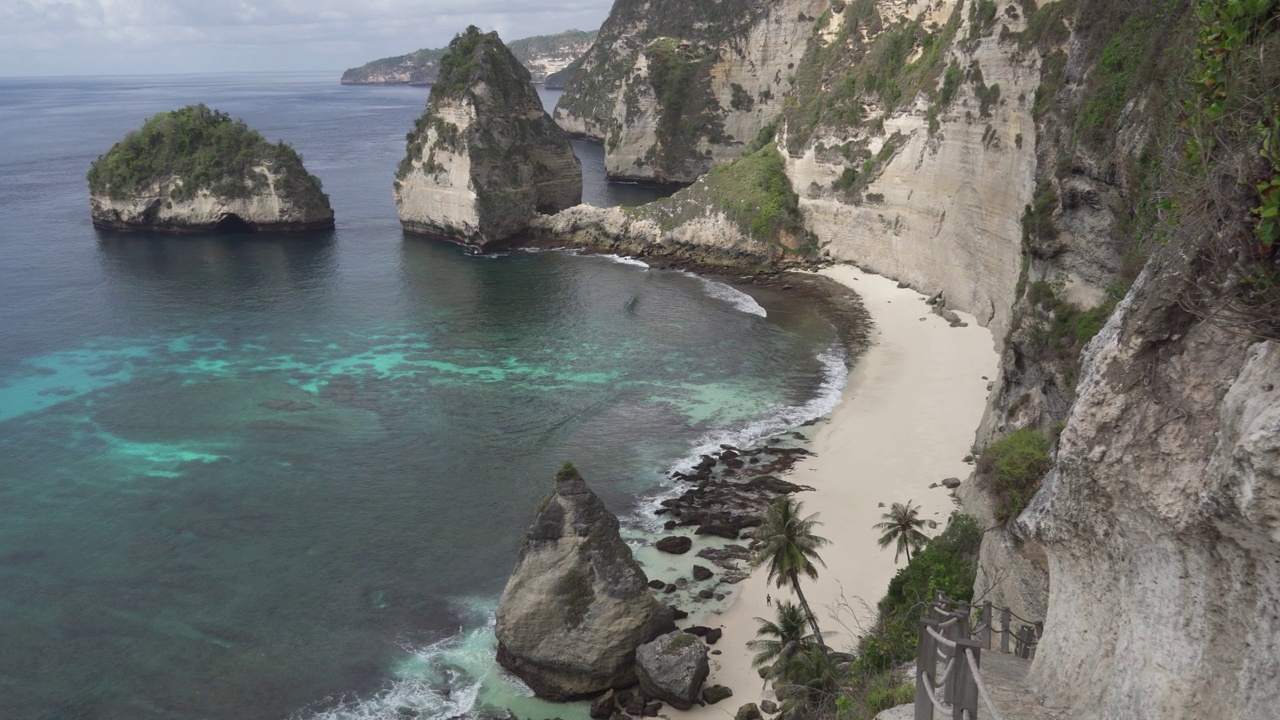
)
(902, 525)
(788, 548)
(781, 639)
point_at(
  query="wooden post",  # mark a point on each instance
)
(1004, 632)
(964, 702)
(987, 619)
(926, 665)
(957, 632)
(1024, 642)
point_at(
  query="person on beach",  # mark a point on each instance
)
(768, 600)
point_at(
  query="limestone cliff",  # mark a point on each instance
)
(676, 88)
(197, 170)
(484, 158)
(577, 605)
(543, 56)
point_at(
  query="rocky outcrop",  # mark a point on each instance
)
(543, 56)
(577, 605)
(674, 89)
(1161, 521)
(484, 158)
(672, 668)
(197, 170)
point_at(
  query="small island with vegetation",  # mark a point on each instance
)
(197, 170)
(485, 158)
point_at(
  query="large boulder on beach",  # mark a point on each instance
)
(577, 605)
(484, 158)
(196, 170)
(672, 668)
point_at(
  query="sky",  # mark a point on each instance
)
(133, 37)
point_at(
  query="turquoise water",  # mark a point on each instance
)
(288, 476)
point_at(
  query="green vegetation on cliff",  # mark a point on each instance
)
(867, 63)
(753, 192)
(206, 150)
(1011, 469)
(680, 77)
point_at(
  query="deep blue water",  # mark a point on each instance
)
(270, 477)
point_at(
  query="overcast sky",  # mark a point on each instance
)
(113, 37)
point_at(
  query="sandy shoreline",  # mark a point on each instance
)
(906, 420)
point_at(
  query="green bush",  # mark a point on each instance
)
(1012, 468)
(207, 150)
(948, 565)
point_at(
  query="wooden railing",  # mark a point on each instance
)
(947, 637)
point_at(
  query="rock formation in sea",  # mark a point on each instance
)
(577, 605)
(197, 170)
(484, 158)
(550, 60)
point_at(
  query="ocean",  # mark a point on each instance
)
(287, 476)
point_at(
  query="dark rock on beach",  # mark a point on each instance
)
(675, 544)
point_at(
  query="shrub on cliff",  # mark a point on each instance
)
(207, 150)
(1012, 468)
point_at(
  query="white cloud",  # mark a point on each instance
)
(134, 36)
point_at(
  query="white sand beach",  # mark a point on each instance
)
(907, 420)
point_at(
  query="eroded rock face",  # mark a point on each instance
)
(675, 88)
(577, 605)
(1161, 520)
(485, 158)
(672, 668)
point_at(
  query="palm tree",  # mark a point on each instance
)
(781, 639)
(811, 685)
(902, 525)
(789, 548)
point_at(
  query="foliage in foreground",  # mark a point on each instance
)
(208, 151)
(813, 682)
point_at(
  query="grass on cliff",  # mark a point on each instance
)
(754, 192)
(1011, 469)
(208, 151)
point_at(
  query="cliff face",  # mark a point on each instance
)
(1161, 521)
(676, 88)
(484, 158)
(197, 170)
(542, 55)
(265, 210)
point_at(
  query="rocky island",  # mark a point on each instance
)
(484, 158)
(197, 170)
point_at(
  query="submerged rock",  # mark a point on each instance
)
(197, 170)
(577, 605)
(484, 158)
(672, 668)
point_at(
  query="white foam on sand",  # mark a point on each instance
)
(729, 294)
(781, 418)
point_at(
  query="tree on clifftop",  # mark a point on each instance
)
(902, 525)
(790, 548)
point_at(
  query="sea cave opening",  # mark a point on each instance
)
(232, 223)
